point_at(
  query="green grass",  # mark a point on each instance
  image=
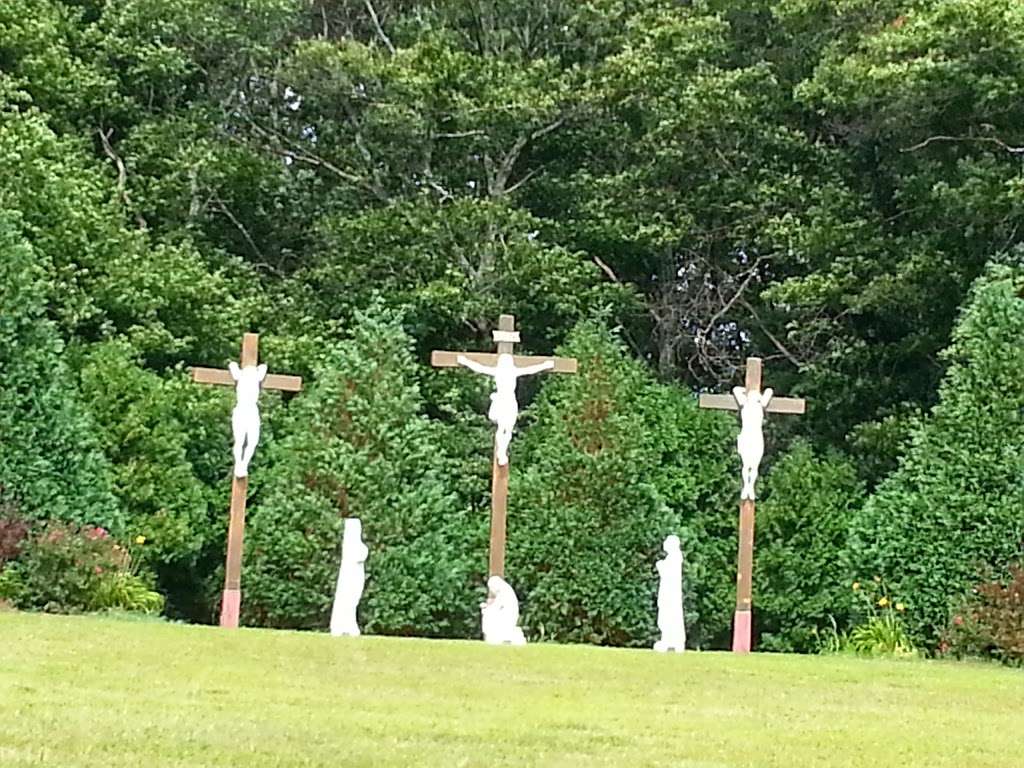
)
(79, 691)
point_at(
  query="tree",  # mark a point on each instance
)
(51, 463)
(950, 516)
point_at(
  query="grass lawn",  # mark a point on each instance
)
(81, 691)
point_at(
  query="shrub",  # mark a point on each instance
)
(13, 531)
(610, 464)
(951, 514)
(65, 569)
(50, 461)
(992, 623)
(357, 445)
(801, 584)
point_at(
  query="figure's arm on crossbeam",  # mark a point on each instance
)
(529, 370)
(474, 366)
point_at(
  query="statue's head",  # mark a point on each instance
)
(671, 544)
(505, 361)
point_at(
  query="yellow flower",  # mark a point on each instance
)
(901, 607)
(140, 539)
(856, 586)
(883, 601)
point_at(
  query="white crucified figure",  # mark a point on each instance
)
(351, 580)
(750, 442)
(504, 410)
(245, 418)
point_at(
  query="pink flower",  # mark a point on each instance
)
(98, 570)
(958, 620)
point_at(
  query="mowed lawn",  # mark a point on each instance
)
(81, 691)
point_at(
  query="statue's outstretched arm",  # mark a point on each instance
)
(528, 370)
(473, 365)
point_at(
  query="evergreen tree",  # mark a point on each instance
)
(612, 464)
(50, 462)
(951, 515)
(359, 446)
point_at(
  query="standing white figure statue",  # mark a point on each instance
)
(499, 616)
(245, 419)
(351, 580)
(750, 443)
(504, 408)
(671, 620)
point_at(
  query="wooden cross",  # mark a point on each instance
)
(232, 599)
(506, 336)
(741, 631)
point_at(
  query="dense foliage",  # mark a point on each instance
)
(661, 188)
(950, 517)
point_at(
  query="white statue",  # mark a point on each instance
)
(351, 580)
(671, 621)
(499, 616)
(245, 419)
(504, 408)
(750, 443)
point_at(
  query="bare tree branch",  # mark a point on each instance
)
(771, 337)
(122, 175)
(380, 30)
(222, 207)
(605, 268)
(983, 139)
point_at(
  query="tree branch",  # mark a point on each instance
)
(380, 30)
(122, 174)
(984, 139)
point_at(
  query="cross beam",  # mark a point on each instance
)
(742, 624)
(231, 602)
(506, 336)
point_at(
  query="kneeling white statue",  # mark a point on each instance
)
(499, 616)
(671, 621)
(351, 580)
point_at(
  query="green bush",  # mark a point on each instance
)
(50, 461)
(610, 464)
(951, 515)
(66, 569)
(357, 445)
(801, 582)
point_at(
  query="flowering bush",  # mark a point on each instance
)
(64, 569)
(13, 530)
(882, 632)
(992, 625)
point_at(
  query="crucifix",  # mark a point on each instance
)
(505, 368)
(248, 378)
(752, 404)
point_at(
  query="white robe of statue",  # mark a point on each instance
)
(750, 443)
(351, 580)
(671, 621)
(504, 408)
(499, 616)
(245, 419)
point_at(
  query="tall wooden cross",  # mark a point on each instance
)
(232, 599)
(741, 630)
(506, 336)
